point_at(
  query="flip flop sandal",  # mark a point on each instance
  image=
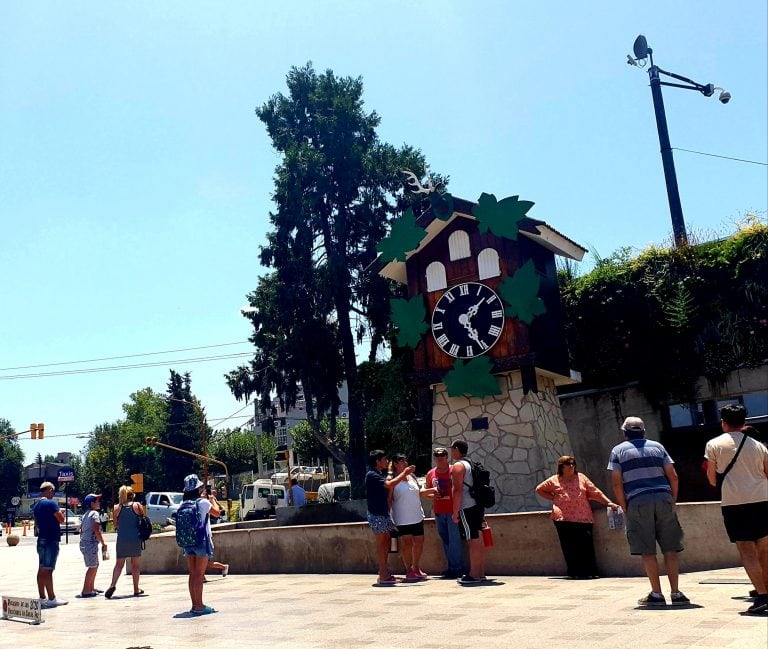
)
(139, 593)
(204, 611)
(110, 592)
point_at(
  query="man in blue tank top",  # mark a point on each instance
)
(645, 486)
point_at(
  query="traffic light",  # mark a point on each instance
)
(33, 430)
(137, 482)
(150, 441)
(37, 431)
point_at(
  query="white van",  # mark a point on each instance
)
(334, 492)
(162, 505)
(259, 499)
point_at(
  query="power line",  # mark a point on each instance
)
(113, 358)
(725, 157)
(115, 368)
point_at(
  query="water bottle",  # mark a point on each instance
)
(615, 519)
(104, 552)
(618, 519)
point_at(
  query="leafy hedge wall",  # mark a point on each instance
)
(668, 316)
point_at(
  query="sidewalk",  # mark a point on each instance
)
(339, 611)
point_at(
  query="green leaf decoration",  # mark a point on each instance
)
(409, 316)
(521, 293)
(473, 378)
(500, 217)
(403, 237)
(442, 205)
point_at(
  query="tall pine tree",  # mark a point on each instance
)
(337, 187)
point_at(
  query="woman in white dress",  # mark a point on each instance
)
(408, 517)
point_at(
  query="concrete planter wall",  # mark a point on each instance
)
(525, 544)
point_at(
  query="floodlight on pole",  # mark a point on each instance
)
(641, 53)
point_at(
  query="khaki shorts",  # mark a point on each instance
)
(652, 519)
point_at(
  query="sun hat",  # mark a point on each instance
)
(192, 482)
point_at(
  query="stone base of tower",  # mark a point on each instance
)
(524, 437)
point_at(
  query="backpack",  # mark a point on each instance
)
(145, 530)
(481, 489)
(190, 529)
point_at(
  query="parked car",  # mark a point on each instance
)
(161, 505)
(72, 523)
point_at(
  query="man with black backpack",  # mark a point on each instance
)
(468, 513)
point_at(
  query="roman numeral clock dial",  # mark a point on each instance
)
(467, 320)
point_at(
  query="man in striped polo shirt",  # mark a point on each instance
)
(645, 485)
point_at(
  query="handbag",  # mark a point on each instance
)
(720, 477)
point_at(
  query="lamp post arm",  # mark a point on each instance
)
(199, 456)
(705, 89)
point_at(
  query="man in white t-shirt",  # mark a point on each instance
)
(744, 500)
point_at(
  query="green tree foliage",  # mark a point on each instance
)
(308, 446)
(185, 428)
(104, 468)
(396, 419)
(336, 191)
(146, 415)
(666, 317)
(238, 449)
(116, 450)
(11, 465)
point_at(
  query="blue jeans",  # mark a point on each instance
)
(449, 535)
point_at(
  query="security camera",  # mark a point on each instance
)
(725, 97)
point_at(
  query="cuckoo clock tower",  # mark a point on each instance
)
(484, 320)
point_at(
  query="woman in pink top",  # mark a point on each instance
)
(570, 493)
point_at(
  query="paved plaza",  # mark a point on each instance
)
(338, 611)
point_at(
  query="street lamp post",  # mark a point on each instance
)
(643, 52)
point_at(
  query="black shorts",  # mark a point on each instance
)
(746, 522)
(415, 529)
(470, 522)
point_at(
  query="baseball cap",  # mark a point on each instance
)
(634, 424)
(192, 482)
(440, 451)
(90, 499)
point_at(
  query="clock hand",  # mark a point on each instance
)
(472, 312)
(465, 322)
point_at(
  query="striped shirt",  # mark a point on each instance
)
(641, 462)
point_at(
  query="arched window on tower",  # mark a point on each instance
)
(488, 263)
(458, 245)
(436, 277)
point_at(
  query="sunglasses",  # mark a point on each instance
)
(569, 463)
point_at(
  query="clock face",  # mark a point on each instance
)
(467, 320)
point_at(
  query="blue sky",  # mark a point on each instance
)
(135, 179)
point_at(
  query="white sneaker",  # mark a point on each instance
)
(225, 572)
(53, 603)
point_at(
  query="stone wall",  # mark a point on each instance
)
(594, 417)
(524, 544)
(526, 434)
